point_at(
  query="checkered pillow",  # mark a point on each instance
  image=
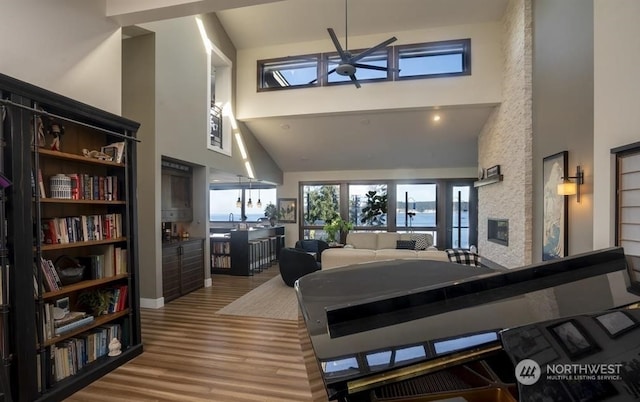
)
(463, 257)
(423, 240)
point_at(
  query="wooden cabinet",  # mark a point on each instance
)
(176, 192)
(66, 209)
(182, 267)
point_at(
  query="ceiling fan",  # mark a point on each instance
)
(349, 63)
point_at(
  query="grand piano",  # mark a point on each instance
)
(435, 331)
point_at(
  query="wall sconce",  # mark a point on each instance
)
(569, 187)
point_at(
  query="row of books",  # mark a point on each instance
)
(91, 187)
(52, 327)
(117, 298)
(50, 276)
(104, 262)
(70, 356)
(84, 186)
(74, 229)
(220, 261)
(220, 247)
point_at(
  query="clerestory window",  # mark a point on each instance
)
(402, 62)
(435, 59)
(289, 72)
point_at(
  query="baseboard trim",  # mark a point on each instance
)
(208, 282)
(152, 303)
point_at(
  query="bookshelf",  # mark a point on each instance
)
(66, 210)
(220, 254)
(240, 252)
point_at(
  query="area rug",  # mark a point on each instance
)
(272, 299)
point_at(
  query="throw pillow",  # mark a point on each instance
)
(421, 240)
(463, 257)
(406, 245)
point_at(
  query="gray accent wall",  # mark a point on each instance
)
(563, 108)
(138, 103)
(165, 87)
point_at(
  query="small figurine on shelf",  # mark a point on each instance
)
(56, 130)
(114, 347)
(39, 136)
(96, 155)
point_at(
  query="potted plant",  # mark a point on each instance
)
(337, 230)
(97, 300)
(271, 212)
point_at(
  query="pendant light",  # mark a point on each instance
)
(259, 203)
(249, 203)
(239, 201)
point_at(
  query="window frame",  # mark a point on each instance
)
(325, 67)
(466, 58)
(393, 61)
(620, 153)
(301, 58)
(443, 208)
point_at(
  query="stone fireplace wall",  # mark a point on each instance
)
(506, 140)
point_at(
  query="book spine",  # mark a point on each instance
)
(73, 325)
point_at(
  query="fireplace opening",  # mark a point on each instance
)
(498, 231)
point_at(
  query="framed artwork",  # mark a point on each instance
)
(287, 210)
(555, 208)
(573, 339)
(590, 390)
(616, 323)
(528, 343)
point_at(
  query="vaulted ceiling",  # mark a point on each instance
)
(398, 138)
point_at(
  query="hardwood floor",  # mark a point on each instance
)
(192, 354)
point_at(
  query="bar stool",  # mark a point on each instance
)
(264, 250)
(273, 246)
(254, 256)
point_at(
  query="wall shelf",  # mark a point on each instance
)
(488, 180)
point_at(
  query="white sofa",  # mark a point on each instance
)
(373, 246)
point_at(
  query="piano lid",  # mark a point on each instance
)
(369, 320)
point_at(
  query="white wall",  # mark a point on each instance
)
(66, 46)
(616, 106)
(506, 141)
(290, 186)
(482, 87)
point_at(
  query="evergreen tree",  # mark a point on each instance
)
(322, 205)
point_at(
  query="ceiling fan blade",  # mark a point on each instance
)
(367, 66)
(355, 80)
(334, 39)
(333, 70)
(373, 49)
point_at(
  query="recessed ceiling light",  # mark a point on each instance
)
(285, 126)
(436, 117)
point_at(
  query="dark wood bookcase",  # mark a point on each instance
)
(98, 219)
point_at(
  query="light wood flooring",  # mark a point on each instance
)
(192, 354)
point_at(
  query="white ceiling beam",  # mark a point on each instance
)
(130, 12)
